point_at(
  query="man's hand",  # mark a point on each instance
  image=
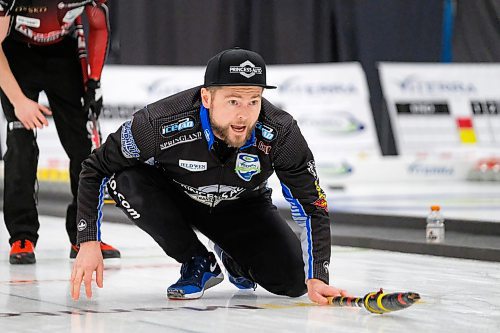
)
(317, 291)
(88, 260)
(92, 100)
(30, 113)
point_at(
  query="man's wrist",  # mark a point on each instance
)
(17, 99)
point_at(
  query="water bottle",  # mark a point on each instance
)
(434, 233)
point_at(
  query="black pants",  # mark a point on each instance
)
(56, 70)
(251, 231)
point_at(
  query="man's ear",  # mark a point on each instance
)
(206, 97)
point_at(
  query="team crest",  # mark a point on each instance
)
(247, 165)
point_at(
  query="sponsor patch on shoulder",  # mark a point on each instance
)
(171, 128)
(129, 147)
(268, 133)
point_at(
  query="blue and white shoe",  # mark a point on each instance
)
(197, 275)
(234, 271)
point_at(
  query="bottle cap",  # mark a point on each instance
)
(435, 207)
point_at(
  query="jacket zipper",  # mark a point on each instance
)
(221, 173)
(218, 186)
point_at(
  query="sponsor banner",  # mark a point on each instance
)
(373, 175)
(329, 101)
(438, 108)
(331, 105)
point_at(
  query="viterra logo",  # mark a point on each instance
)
(413, 84)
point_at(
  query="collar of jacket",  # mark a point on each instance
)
(209, 134)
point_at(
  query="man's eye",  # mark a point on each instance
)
(255, 102)
(233, 102)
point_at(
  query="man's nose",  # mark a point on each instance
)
(242, 113)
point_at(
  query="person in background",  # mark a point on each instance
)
(39, 51)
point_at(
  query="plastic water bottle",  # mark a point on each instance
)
(434, 232)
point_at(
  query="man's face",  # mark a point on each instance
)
(234, 111)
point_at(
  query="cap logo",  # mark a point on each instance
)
(246, 68)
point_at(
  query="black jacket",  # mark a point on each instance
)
(175, 135)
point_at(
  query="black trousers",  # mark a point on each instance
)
(251, 231)
(56, 70)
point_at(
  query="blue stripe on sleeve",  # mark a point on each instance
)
(99, 207)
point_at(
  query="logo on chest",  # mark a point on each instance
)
(169, 129)
(194, 166)
(247, 165)
(180, 140)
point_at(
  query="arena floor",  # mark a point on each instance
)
(458, 295)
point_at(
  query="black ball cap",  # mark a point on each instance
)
(236, 67)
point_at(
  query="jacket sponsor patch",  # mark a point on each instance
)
(194, 166)
(62, 5)
(321, 201)
(268, 133)
(212, 195)
(311, 167)
(185, 138)
(247, 165)
(129, 147)
(27, 21)
(262, 146)
(169, 129)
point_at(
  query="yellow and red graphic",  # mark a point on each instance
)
(52, 175)
(466, 130)
(321, 202)
(53, 170)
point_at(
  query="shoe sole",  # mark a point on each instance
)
(178, 295)
(111, 255)
(105, 255)
(26, 259)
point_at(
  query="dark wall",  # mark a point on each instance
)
(476, 35)
(387, 30)
(189, 32)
